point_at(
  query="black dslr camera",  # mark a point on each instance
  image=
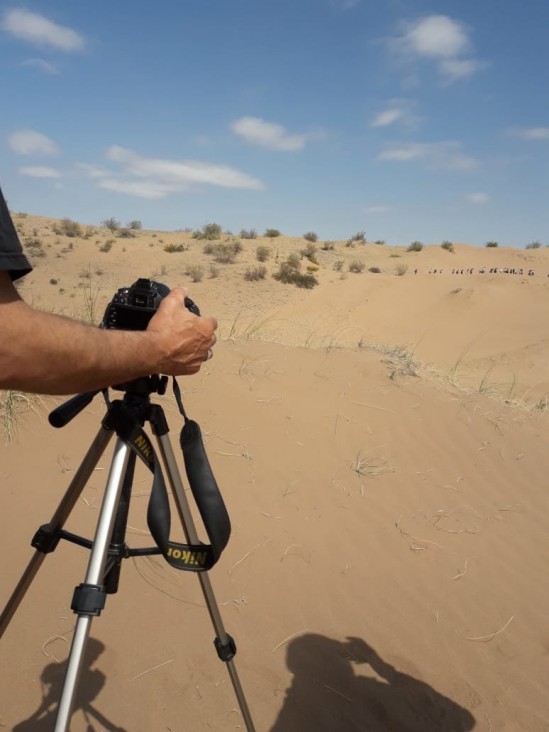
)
(133, 307)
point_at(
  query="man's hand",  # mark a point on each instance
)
(183, 339)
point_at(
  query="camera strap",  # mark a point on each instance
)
(190, 557)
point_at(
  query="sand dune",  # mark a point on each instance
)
(381, 444)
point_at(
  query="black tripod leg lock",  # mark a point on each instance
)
(226, 649)
(46, 540)
(88, 599)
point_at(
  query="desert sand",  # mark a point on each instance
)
(381, 443)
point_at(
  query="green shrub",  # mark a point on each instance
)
(310, 236)
(356, 266)
(309, 253)
(289, 273)
(135, 225)
(248, 234)
(35, 247)
(448, 246)
(125, 233)
(272, 233)
(533, 245)
(380, 242)
(360, 236)
(491, 244)
(328, 246)
(415, 246)
(256, 272)
(69, 228)
(175, 248)
(262, 253)
(209, 232)
(374, 270)
(112, 224)
(223, 252)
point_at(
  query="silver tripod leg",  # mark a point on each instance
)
(191, 535)
(94, 577)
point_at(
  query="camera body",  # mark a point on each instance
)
(132, 307)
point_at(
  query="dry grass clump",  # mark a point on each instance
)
(401, 269)
(171, 248)
(356, 266)
(67, 227)
(195, 272)
(35, 247)
(262, 253)
(12, 404)
(374, 270)
(257, 272)
(224, 252)
(415, 246)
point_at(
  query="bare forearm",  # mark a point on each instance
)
(49, 354)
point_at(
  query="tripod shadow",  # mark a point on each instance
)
(327, 695)
(89, 686)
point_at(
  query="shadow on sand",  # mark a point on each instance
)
(326, 695)
(90, 684)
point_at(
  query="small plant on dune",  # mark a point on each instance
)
(107, 246)
(214, 271)
(380, 242)
(224, 252)
(12, 403)
(310, 253)
(310, 236)
(255, 273)
(338, 266)
(195, 272)
(374, 270)
(35, 247)
(328, 246)
(209, 232)
(111, 224)
(491, 244)
(272, 233)
(248, 234)
(401, 269)
(125, 233)
(356, 266)
(171, 248)
(448, 246)
(262, 253)
(289, 273)
(67, 227)
(415, 246)
(533, 245)
(135, 225)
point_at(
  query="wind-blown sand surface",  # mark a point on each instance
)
(381, 443)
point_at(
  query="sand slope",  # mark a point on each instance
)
(387, 568)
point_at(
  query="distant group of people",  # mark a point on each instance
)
(484, 270)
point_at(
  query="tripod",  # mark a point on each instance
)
(126, 418)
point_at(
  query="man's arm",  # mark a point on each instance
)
(49, 354)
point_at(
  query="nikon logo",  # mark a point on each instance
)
(142, 444)
(188, 557)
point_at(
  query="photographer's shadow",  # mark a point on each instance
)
(90, 684)
(327, 696)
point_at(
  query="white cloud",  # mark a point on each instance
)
(141, 189)
(441, 155)
(478, 198)
(534, 133)
(40, 172)
(174, 172)
(155, 178)
(29, 142)
(387, 117)
(267, 134)
(440, 39)
(37, 30)
(41, 65)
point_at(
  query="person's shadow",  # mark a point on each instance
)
(327, 696)
(90, 684)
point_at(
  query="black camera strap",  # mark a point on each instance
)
(189, 557)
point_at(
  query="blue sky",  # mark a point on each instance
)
(408, 120)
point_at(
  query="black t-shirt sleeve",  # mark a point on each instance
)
(12, 258)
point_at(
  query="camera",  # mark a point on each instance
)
(132, 307)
